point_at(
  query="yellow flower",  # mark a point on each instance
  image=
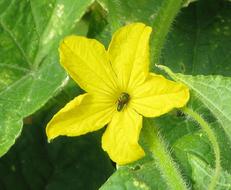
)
(119, 90)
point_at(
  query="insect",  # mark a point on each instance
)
(122, 101)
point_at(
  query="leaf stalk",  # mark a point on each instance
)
(212, 138)
(163, 159)
(161, 26)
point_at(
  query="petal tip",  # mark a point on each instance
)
(50, 132)
(50, 137)
(138, 153)
(186, 95)
(131, 160)
(140, 25)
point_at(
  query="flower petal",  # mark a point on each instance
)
(85, 113)
(120, 139)
(158, 96)
(129, 54)
(87, 62)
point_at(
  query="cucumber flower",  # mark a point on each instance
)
(120, 90)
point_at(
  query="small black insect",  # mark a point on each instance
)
(179, 113)
(122, 100)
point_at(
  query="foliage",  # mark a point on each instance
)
(192, 38)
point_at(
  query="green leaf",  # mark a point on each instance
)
(199, 41)
(122, 12)
(196, 144)
(30, 32)
(214, 92)
(185, 136)
(66, 163)
(187, 2)
(137, 176)
(202, 173)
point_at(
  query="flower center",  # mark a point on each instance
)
(122, 101)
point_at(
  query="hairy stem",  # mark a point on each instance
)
(163, 159)
(206, 128)
(162, 24)
(212, 138)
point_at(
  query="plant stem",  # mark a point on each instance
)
(206, 128)
(212, 138)
(163, 159)
(162, 24)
